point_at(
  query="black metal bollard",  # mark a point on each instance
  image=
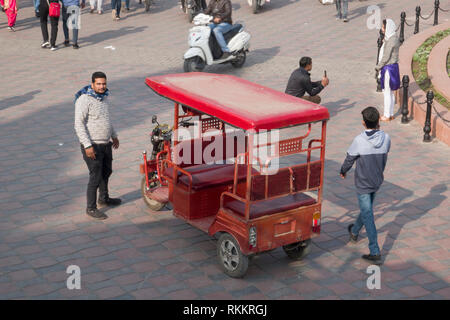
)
(380, 44)
(427, 127)
(416, 28)
(402, 26)
(436, 13)
(405, 82)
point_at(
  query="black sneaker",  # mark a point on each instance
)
(375, 259)
(66, 43)
(353, 238)
(76, 46)
(96, 214)
(108, 202)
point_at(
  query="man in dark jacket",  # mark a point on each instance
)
(300, 82)
(222, 23)
(369, 150)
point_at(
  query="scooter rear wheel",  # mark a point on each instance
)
(194, 64)
(240, 60)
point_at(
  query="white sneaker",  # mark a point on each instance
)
(54, 48)
(45, 45)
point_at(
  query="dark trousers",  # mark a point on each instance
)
(100, 170)
(43, 9)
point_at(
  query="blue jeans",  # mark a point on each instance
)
(65, 17)
(342, 8)
(127, 4)
(219, 30)
(36, 5)
(366, 219)
(116, 5)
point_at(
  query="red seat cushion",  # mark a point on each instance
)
(214, 176)
(168, 172)
(267, 207)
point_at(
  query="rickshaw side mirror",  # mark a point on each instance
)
(154, 119)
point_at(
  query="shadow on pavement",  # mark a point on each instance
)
(17, 100)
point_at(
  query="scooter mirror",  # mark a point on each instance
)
(154, 119)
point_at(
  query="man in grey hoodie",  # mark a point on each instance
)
(369, 150)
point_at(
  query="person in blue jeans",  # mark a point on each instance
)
(70, 16)
(36, 7)
(116, 5)
(369, 150)
(342, 10)
(222, 23)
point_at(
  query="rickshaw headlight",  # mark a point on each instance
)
(252, 236)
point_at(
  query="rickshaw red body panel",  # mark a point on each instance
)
(236, 101)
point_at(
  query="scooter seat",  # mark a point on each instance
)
(214, 45)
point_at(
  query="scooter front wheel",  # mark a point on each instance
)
(194, 64)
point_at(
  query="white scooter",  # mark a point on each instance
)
(204, 49)
(256, 4)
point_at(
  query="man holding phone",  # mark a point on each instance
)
(95, 132)
(300, 82)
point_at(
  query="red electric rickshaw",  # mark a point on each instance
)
(242, 162)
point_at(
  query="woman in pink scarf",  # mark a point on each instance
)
(10, 7)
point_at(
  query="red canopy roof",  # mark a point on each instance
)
(236, 101)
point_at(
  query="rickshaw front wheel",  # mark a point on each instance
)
(298, 250)
(233, 262)
(152, 204)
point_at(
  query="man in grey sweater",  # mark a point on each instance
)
(369, 150)
(95, 132)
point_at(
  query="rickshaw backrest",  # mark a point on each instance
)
(229, 144)
(279, 183)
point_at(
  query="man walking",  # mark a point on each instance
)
(342, 10)
(95, 131)
(300, 82)
(369, 150)
(71, 9)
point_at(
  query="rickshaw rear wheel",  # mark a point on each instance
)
(152, 204)
(232, 261)
(298, 250)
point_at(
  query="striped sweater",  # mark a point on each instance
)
(92, 122)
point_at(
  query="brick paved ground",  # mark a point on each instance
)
(138, 254)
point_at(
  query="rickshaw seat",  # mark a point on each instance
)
(205, 176)
(271, 206)
(168, 172)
